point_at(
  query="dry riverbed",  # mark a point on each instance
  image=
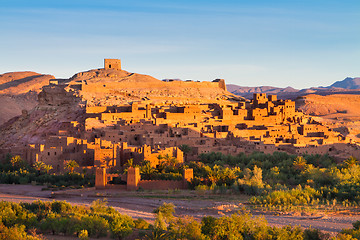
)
(142, 204)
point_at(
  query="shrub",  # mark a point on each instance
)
(141, 224)
(83, 235)
(186, 228)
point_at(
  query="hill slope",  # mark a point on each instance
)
(18, 91)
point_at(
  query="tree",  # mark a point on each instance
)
(108, 160)
(299, 163)
(186, 228)
(351, 161)
(186, 149)
(47, 168)
(121, 226)
(17, 162)
(38, 165)
(130, 163)
(70, 165)
(164, 215)
(146, 169)
(169, 160)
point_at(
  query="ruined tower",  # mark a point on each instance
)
(112, 64)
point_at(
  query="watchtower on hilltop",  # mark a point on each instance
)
(112, 64)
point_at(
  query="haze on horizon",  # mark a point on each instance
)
(250, 43)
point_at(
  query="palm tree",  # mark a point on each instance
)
(47, 168)
(108, 160)
(147, 170)
(130, 163)
(299, 163)
(186, 149)
(17, 161)
(351, 161)
(38, 165)
(70, 165)
(169, 160)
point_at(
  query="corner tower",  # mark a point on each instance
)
(112, 64)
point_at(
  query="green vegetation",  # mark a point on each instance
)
(60, 218)
(15, 170)
(280, 179)
(31, 220)
(241, 225)
(168, 169)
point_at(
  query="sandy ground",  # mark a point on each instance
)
(141, 205)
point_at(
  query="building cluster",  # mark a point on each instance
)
(148, 131)
(112, 135)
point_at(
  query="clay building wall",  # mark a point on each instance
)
(105, 156)
(259, 98)
(112, 64)
(313, 130)
(95, 109)
(257, 113)
(114, 117)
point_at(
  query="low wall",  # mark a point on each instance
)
(162, 184)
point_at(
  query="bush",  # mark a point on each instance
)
(83, 235)
(296, 196)
(141, 224)
(121, 226)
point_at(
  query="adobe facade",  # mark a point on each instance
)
(143, 130)
(112, 64)
(111, 135)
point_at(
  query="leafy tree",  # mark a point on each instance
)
(167, 210)
(121, 226)
(186, 228)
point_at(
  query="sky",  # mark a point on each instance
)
(246, 42)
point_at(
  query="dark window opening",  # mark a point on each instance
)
(109, 65)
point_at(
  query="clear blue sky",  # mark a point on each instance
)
(249, 43)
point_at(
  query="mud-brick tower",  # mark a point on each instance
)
(112, 64)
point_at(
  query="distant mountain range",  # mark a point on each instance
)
(348, 85)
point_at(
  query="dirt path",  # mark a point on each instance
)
(138, 205)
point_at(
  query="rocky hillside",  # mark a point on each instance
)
(340, 111)
(18, 91)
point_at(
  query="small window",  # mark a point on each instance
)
(48, 153)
